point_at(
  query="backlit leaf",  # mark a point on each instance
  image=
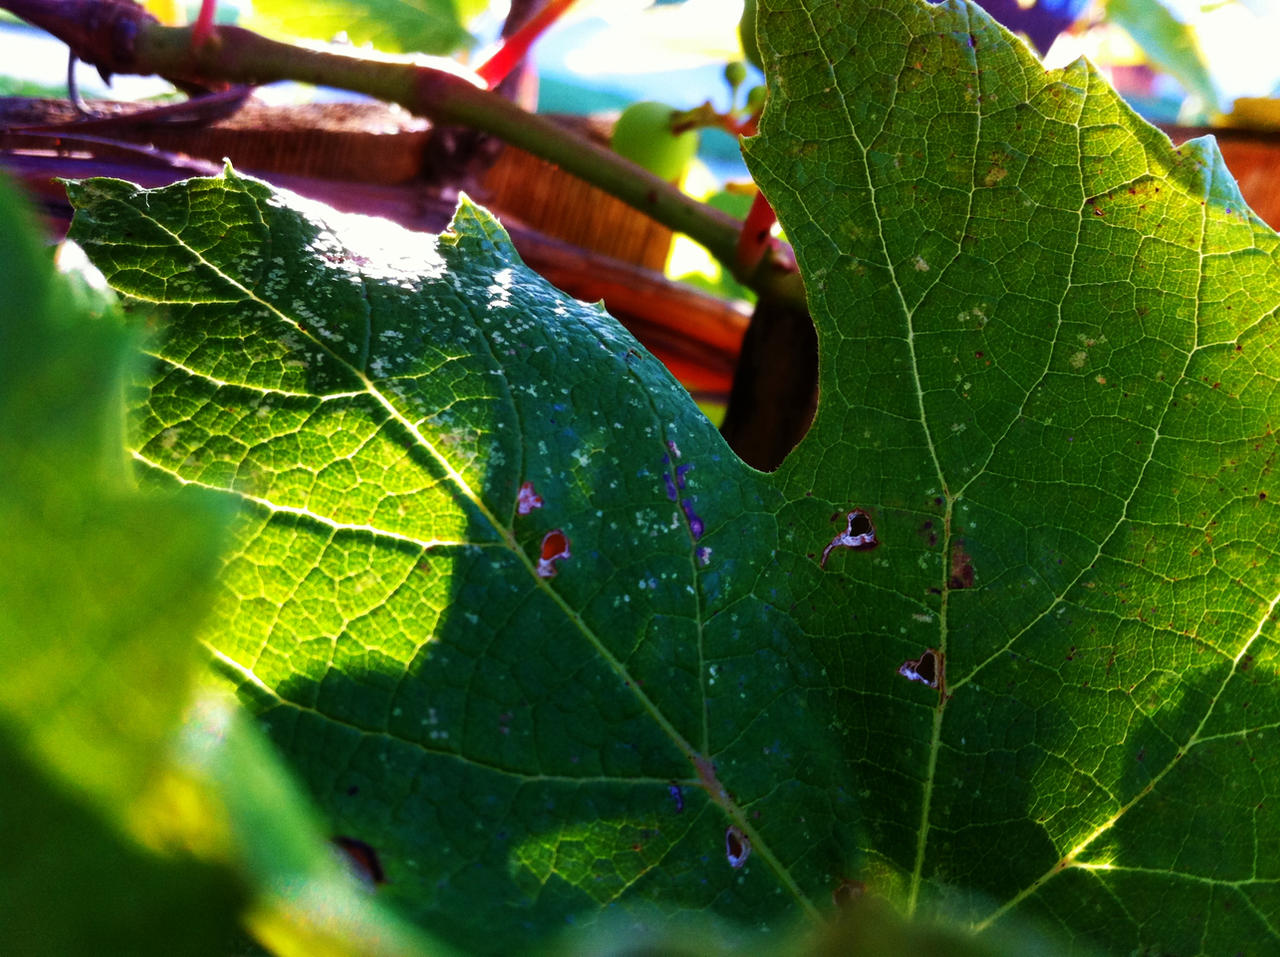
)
(1046, 357)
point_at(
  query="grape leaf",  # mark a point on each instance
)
(530, 630)
(520, 737)
(1046, 358)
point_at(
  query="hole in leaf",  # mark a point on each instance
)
(927, 669)
(737, 847)
(555, 546)
(775, 385)
(361, 860)
(859, 534)
(527, 499)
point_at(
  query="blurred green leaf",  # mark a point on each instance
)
(436, 27)
(245, 806)
(528, 628)
(1169, 44)
(868, 927)
(74, 884)
(132, 831)
(98, 606)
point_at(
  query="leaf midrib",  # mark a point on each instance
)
(908, 313)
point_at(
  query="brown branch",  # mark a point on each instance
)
(100, 32)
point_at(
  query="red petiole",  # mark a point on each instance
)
(514, 48)
(756, 237)
(202, 30)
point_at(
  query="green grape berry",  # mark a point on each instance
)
(755, 100)
(735, 73)
(643, 135)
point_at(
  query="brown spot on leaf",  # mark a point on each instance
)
(961, 567)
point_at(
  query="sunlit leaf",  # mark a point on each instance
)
(1046, 359)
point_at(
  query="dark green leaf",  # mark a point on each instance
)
(1045, 358)
(75, 885)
